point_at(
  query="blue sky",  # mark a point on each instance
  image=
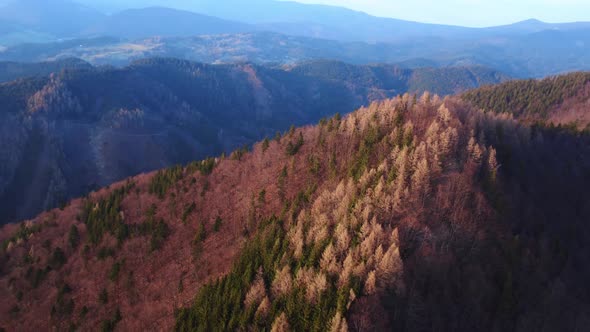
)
(470, 12)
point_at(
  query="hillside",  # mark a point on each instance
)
(10, 71)
(333, 22)
(58, 18)
(83, 129)
(443, 81)
(561, 100)
(139, 23)
(538, 54)
(410, 214)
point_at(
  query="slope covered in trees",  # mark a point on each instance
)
(558, 100)
(87, 127)
(536, 55)
(443, 81)
(10, 71)
(411, 214)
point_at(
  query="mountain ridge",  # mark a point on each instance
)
(319, 21)
(534, 55)
(421, 189)
(95, 126)
(138, 23)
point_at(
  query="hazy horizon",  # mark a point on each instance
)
(470, 13)
(464, 13)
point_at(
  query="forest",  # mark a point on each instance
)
(415, 213)
(83, 127)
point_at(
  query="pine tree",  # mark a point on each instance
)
(338, 323)
(316, 287)
(389, 271)
(263, 308)
(283, 282)
(257, 291)
(493, 165)
(281, 324)
(328, 262)
(371, 283)
(421, 180)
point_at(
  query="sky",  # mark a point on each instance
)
(475, 13)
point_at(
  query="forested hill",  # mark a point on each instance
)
(443, 81)
(85, 127)
(560, 100)
(10, 71)
(411, 214)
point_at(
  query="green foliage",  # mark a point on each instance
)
(74, 237)
(115, 270)
(283, 175)
(262, 196)
(312, 254)
(371, 137)
(265, 144)
(188, 210)
(105, 215)
(201, 234)
(122, 233)
(205, 188)
(105, 252)
(293, 148)
(63, 306)
(110, 324)
(197, 243)
(334, 122)
(58, 258)
(35, 276)
(83, 311)
(14, 310)
(217, 224)
(156, 229)
(103, 297)
(180, 286)
(281, 182)
(22, 233)
(239, 153)
(314, 164)
(206, 166)
(46, 244)
(164, 180)
(528, 97)
(159, 232)
(27, 259)
(219, 306)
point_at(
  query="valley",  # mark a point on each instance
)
(101, 125)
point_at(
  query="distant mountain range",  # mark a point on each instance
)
(86, 127)
(166, 22)
(10, 71)
(282, 32)
(531, 55)
(330, 22)
(68, 18)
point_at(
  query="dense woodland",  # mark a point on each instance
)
(542, 101)
(86, 127)
(415, 213)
